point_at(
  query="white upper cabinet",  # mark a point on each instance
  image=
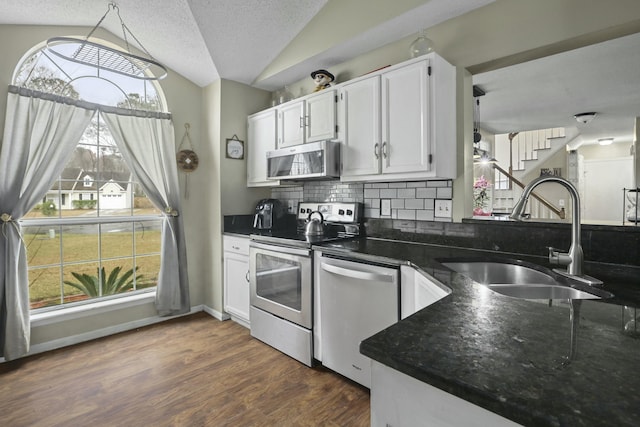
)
(261, 136)
(360, 127)
(312, 118)
(405, 119)
(320, 118)
(400, 124)
(291, 124)
(395, 124)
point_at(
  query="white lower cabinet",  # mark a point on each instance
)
(398, 400)
(418, 290)
(236, 278)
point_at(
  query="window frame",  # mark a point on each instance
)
(97, 220)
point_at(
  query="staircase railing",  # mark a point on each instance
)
(557, 211)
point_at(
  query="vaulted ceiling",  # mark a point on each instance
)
(242, 40)
(270, 43)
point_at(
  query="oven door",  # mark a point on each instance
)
(280, 282)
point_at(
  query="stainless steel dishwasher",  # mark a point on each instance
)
(355, 300)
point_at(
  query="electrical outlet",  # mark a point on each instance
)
(443, 208)
(385, 207)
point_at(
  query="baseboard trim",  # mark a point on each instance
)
(100, 333)
(215, 313)
(115, 329)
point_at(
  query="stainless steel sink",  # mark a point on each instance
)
(493, 273)
(521, 281)
(541, 292)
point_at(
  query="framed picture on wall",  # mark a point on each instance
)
(235, 148)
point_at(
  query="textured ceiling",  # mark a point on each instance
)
(205, 40)
(246, 41)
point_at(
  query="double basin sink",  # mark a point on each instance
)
(518, 279)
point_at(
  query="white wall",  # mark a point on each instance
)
(222, 190)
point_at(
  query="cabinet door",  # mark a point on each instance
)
(405, 119)
(261, 135)
(291, 124)
(236, 285)
(361, 127)
(320, 118)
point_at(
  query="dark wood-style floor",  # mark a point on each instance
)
(191, 371)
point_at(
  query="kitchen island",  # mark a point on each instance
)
(506, 355)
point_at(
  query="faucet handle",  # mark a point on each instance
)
(559, 258)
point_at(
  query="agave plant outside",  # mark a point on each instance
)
(101, 284)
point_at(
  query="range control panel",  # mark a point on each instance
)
(332, 211)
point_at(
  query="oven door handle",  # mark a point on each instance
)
(356, 274)
(280, 249)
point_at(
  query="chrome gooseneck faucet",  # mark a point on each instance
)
(575, 257)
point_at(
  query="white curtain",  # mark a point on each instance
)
(148, 146)
(39, 136)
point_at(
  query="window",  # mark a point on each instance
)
(96, 234)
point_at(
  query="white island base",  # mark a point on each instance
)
(398, 400)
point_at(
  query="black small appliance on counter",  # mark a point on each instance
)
(269, 215)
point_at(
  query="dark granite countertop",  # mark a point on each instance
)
(505, 354)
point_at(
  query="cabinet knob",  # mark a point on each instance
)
(246, 276)
(384, 150)
(237, 248)
(375, 150)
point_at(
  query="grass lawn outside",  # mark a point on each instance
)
(52, 257)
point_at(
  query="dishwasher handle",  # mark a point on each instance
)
(356, 274)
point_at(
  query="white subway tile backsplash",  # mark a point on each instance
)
(371, 203)
(445, 183)
(417, 184)
(407, 193)
(397, 203)
(429, 204)
(426, 193)
(390, 193)
(370, 193)
(380, 185)
(397, 185)
(409, 201)
(445, 193)
(414, 204)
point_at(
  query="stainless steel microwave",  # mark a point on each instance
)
(305, 161)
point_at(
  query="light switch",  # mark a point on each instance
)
(443, 208)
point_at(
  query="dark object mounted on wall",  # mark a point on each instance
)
(477, 93)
